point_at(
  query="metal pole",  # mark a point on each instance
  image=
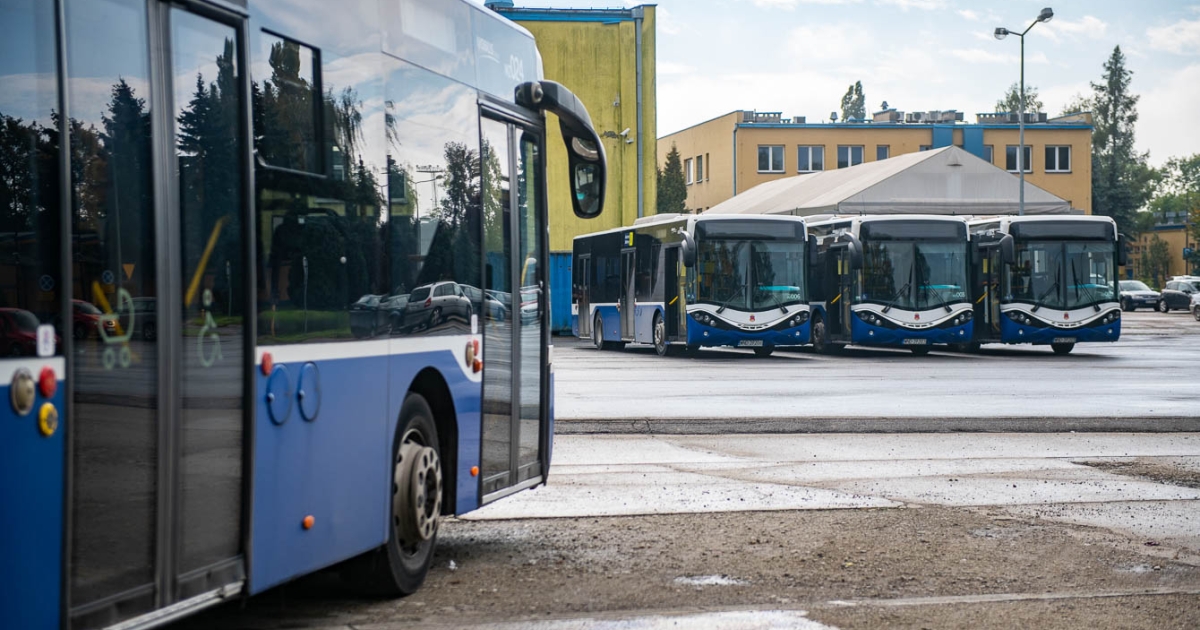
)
(1021, 127)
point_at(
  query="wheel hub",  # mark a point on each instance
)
(417, 496)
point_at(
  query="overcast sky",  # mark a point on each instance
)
(799, 56)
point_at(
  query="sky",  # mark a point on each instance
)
(799, 56)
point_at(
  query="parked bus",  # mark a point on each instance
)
(1046, 280)
(891, 280)
(682, 282)
(217, 219)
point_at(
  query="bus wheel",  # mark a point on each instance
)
(764, 351)
(598, 332)
(819, 339)
(1062, 348)
(661, 345)
(400, 566)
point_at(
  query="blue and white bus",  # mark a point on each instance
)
(682, 282)
(891, 280)
(1046, 280)
(255, 257)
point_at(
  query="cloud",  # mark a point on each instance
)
(829, 42)
(924, 5)
(970, 15)
(1181, 38)
(671, 67)
(979, 55)
(666, 21)
(1159, 123)
(791, 4)
(1088, 26)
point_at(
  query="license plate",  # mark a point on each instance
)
(750, 343)
(915, 342)
(1064, 340)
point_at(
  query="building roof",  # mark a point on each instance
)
(943, 181)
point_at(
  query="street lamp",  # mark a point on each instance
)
(1001, 33)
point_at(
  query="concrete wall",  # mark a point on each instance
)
(594, 55)
(715, 139)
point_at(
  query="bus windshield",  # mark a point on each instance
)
(750, 275)
(914, 275)
(1064, 275)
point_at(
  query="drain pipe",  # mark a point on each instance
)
(735, 128)
(638, 16)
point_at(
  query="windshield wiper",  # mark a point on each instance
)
(1038, 302)
(732, 294)
(1090, 296)
(892, 302)
(777, 302)
(938, 290)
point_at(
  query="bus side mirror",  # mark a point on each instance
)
(856, 252)
(1122, 251)
(688, 250)
(814, 253)
(585, 153)
(1008, 255)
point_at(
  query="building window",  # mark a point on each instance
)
(1058, 159)
(926, 147)
(988, 154)
(687, 170)
(810, 158)
(1010, 158)
(849, 156)
(699, 168)
(882, 152)
(706, 161)
(770, 159)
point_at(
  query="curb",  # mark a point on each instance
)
(710, 426)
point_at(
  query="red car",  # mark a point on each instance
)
(18, 332)
(85, 319)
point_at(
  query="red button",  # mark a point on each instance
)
(47, 382)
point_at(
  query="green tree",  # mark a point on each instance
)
(1121, 179)
(1012, 99)
(1179, 193)
(672, 189)
(854, 103)
(1076, 104)
(1158, 263)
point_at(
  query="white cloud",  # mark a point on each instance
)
(791, 4)
(924, 5)
(1088, 26)
(1181, 38)
(829, 42)
(671, 67)
(976, 16)
(1160, 124)
(979, 55)
(665, 20)
(970, 15)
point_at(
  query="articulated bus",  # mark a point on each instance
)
(682, 282)
(257, 269)
(1046, 280)
(891, 280)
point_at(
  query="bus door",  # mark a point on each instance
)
(583, 289)
(990, 278)
(516, 421)
(159, 252)
(672, 291)
(628, 300)
(838, 306)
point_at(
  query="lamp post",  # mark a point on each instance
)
(1001, 33)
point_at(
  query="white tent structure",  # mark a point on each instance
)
(943, 181)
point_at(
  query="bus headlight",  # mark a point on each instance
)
(800, 318)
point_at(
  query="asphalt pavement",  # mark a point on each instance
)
(1146, 381)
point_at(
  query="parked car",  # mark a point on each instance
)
(367, 319)
(145, 322)
(1135, 294)
(1178, 293)
(495, 309)
(85, 319)
(1196, 306)
(18, 332)
(432, 304)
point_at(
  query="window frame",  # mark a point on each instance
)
(989, 154)
(687, 171)
(1028, 158)
(324, 166)
(699, 169)
(810, 148)
(850, 155)
(886, 150)
(771, 166)
(1056, 149)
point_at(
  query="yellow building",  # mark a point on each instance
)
(606, 57)
(1177, 238)
(735, 152)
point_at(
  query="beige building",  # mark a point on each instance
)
(735, 152)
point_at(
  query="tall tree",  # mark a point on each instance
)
(1012, 99)
(672, 189)
(1076, 104)
(1121, 179)
(854, 103)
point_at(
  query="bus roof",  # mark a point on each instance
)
(692, 219)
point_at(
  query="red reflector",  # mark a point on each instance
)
(47, 382)
(267, 364)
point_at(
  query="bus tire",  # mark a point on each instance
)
(820, 336)
(1062, 348)
(764, 351)
(661, 345)
(399, 567)
(598, 332)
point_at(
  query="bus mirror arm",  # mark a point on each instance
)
(585, 153)
(856, 251)
(688, 249)
(1122, 251)
(814, 253)
(1008, 254)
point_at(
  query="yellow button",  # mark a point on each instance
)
(48, 419)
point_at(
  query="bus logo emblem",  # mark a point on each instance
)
(1066, 316)
(916, 316)
(751, 318)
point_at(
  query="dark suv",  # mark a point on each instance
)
(1178, 293)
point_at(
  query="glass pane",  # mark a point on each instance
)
(30, 282)
(285, 106)
(498, 321)
(1064, 158)
(802, 161)
(116, 354)
(764, 158)
(208, 150)
(533, 304)
(818, 158)
(843, 157)
(777, 158)
(856, 155)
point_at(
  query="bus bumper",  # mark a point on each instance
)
(1012, 332)
(862, 333)
(699, 335)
